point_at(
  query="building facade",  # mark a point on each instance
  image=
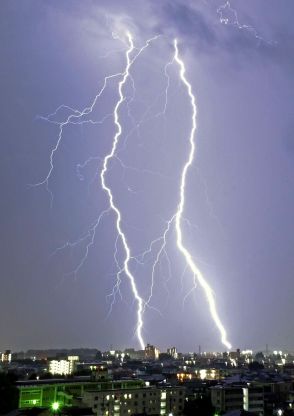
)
(63, 367)
(145, 401)
(107, 397)
(226, 398)
(151, 352)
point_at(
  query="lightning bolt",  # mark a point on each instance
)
(160, 252)
(198, 277)
(78, 117)
(227, 8)
(73, 118)
(107, 189)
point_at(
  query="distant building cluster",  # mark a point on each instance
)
(153, 383)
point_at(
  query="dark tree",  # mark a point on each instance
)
(259, 356)
(45, 376)
(8, 393)
(199, 407)
(255, 366)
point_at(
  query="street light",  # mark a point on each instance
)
(55, 406)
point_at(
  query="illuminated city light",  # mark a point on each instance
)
(203, 374)
(247, 352)
(55, 406)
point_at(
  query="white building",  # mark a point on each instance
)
(173, 352)
(6, 357)
(63, 367)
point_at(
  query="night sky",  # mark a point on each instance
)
(238, 221)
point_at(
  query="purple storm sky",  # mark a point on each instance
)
(239, 197)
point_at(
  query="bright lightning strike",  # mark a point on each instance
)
(79, 117)
(107, 189)
(179, 214)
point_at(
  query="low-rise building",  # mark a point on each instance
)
(151, 352)
(63, 367)
(226, 398)
(105, 397)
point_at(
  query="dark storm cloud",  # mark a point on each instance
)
(198, 24)
(188, 22)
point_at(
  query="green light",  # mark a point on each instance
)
(34, 401)
(55, 406)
